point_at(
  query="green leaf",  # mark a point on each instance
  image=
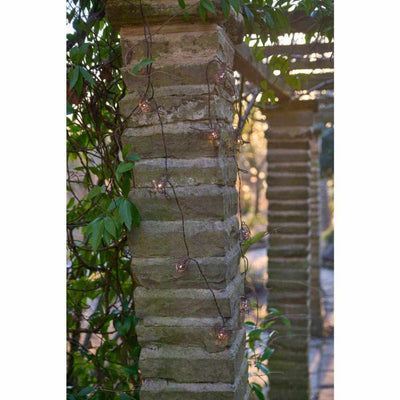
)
(256, 238)
(235, 4)
(125, 212)
(263, 368)
(110, 226)
(274, 311)
(86, 391)
(264, 85)
(124, 166)
(124, 396)
(202, 12)
(70, 109)
(258, 391)
(225, 7)
(94, 192)
(208, 5)
(75, 77)
(126, 149)
(269, 20)
(182, 4)
(141, 64)
(267, 354)
(135, 214)
(125, 186)
(133, 157)
(186, 16)
(97, 234)
(249, 13)
(87, 75)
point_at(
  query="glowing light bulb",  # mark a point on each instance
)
(244, 233)
(240, 141)
(221, 335)
(214, 134)
(182, 265)
(144, 104)
(244, 304)
(160, 185)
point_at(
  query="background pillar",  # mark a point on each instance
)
(181, 357)
(316, 305)
(288, 194)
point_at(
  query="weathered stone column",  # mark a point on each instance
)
(316, 305)
(181, 358)
(288, 194)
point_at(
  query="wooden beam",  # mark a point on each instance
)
(299, 49)
(318, 64)
(256, 72)
(309, 81)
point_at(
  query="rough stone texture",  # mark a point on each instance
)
(289, 179)
(316, 303)
(181, 358)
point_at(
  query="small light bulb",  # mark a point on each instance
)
(214, 134)
(244, 233)
(220, 76)
(240, 141)
(144, 104)
(244, 304)
(182, 265)
(221, 335)
(160, 185)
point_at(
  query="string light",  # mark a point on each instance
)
(244, 233)
(182, 265)
(244, 304)
(220, 76)
(144, 104)
(214, 134)
(221, 335)
(160, 185)
(240, 141)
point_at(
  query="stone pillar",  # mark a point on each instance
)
(181, 358)
(288, 194)
(316, 305)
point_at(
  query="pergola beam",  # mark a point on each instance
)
(309, 81)
(302, 49)
(305, 63)
(256, 72)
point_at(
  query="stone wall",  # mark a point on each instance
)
(289, 210)
(316, 305)
(182, 356)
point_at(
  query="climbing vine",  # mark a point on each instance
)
(102, 347)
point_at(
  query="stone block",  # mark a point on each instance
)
(179, 103)
(189, 303)
(284, 156)
(198, 332)
(165, 239)
(289, 228)
(184, 172)
(288, 193)
(192, 364)
(289, 167)
(209, 202)
(161, 389)
(288, 205)
(277, 217)
(288, 179)
(153, 273)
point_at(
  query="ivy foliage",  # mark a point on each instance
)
(102, 360)
(103, 353)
